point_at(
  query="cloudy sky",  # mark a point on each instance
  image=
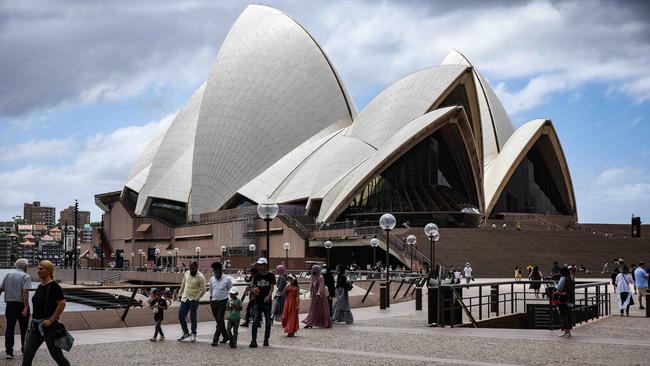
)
(85, 84)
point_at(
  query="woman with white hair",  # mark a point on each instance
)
(49, 302)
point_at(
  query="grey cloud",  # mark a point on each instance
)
(54, 52)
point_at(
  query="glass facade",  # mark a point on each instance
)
(433, 176)
(532, 189)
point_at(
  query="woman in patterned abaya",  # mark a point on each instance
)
(319, 311)
(341, 310)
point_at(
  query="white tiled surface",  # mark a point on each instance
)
(170, 176)
(270, 89)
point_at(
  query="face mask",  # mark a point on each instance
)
(323, 271)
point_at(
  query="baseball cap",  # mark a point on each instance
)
(262, 260)
(234, 290)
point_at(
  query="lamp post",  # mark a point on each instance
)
(387, 222)
(411, 240)
(251, 249)
(223, 255)
(157, 254)
(328, 246)
(122, 260)
(286, 247)
(112, 259)
(374, 242)
(140, 255)
(267, 211)
(175, 257)
(76, 226)
(132, 260)
(197, 250)
(431, 231)
(65, 244)
(169, 258)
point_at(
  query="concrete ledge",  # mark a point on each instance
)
(75, 321)
(102, 319)
(138, 317)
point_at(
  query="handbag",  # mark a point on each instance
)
(559, 297)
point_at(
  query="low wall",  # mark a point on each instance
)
(137, 317)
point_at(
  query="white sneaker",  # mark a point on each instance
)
(193, 338)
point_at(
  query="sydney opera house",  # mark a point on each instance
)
(274, 121)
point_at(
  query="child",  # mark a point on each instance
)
(234, 306)
(291, 307)
(158, 305)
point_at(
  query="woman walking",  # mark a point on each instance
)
(319, 312)
(281, 271)
(342, 312)
(535, 275)
(49, 303)
(623, 281)
(291, 296)
(568, 286)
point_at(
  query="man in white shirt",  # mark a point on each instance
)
(468, 273)
(220, 285)
(16, 287)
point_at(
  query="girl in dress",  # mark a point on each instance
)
(291, 306)
(319, 311)
(341, 310)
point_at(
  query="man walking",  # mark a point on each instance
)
(191, 291)
(468, 273)
(263, 283)
(641, 280)
(16, 287)
(220, 285)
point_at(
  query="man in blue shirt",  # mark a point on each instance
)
(641, 279)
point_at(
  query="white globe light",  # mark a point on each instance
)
(411, 239)
(267, 209)
(374, 242)
(223, 249)
(286, 246)
(436, 236)
(197, 250)
(430, 229)
(157, 251)
(328, 244)
(251, 247)
(387, 221)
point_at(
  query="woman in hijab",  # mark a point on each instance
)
(281, 271)
(342, 312)
(319, 312)
(49, 303)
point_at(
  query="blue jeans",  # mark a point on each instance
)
(191, 307)
(258, 309)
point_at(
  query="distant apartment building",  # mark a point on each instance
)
(55, 233)
(51, 250)
(24, 229)
(7, 243)
(34, 214)
(67, 215)
(28, 250)
(86, 234)
(7, 227)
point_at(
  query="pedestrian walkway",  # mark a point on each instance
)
(398, 335)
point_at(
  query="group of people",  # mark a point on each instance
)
(625, 278)
(48, 304)
(455, 274)
(265, 302)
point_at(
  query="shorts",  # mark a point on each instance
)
(641, 291)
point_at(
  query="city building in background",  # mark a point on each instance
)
(8, 227)
(67, 215)
(34, 213)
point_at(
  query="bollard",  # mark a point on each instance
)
(418, 298)
(494, 299)
(647, 308)
(383, 295)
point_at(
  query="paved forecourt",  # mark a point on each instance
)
(398, 334)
